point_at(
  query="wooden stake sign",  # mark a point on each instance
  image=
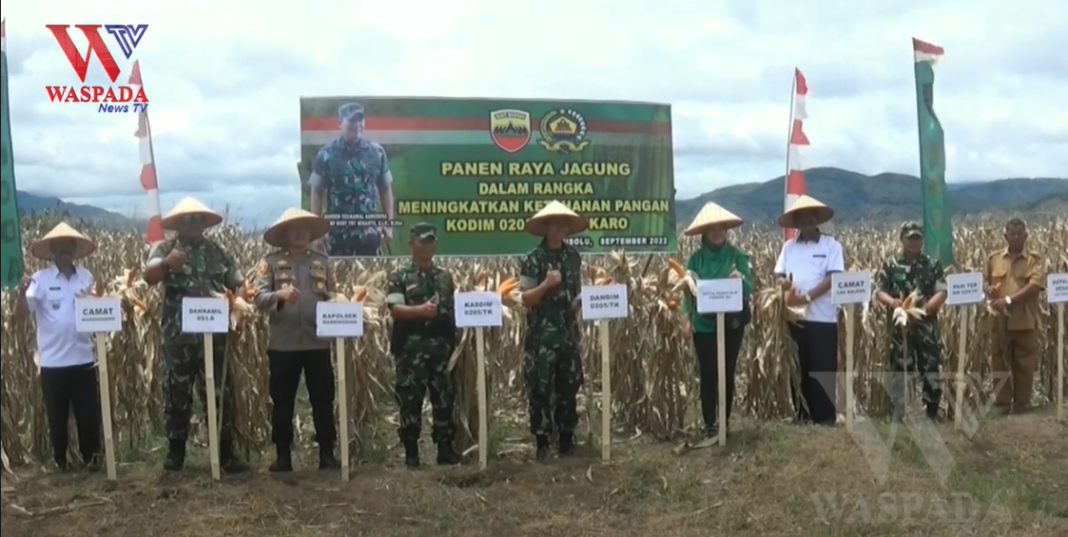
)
(480, 310)
(100, 316)
(208, 316)
(602, 303)
(720, 297)
(848, 289)
(965, 289)
(1057, 292)
(339, 320)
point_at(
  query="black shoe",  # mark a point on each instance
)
(932, 412)
(542, 453)
(567, 444)
(228, 460)
(327, 460)
(711, 432)
(283, 462)
(175, 456)
(411, 453)
(446, 455)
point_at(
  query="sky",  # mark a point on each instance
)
(224, 79)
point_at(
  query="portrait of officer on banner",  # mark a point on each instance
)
(352, 187)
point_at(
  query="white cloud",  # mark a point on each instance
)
(224, 77)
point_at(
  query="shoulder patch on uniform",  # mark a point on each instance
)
(262, 268)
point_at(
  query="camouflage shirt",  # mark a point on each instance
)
(900, 276)
(353, 175)
(410, 286)
(208, 269)
(553, 322)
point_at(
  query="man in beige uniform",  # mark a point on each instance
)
(290, 283)
(1015, 277)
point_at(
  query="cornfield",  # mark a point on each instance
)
(654, 370)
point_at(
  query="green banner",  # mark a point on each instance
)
(478, 169)
(937, 219)
(10, 236)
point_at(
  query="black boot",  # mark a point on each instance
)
(327, 460)
(228, 460)
(932, 412)
(542, 452)
(284, 460)
(446, 455)
(567, 444)
(175, 456)
(411, 453)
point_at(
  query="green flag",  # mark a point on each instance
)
(11, 258)
(937, 222)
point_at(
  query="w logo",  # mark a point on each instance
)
(127, 36)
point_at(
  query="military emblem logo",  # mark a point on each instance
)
(563, 131)
(510, 129)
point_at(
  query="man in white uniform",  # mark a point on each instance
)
(806, 264)
(68, 373)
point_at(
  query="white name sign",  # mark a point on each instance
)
(98, 314)
(339, 319)
(849, 288)
(604, 302)
(205, 315)
(965, 288)
(478, 309)
(1057, 288)
(719, 296)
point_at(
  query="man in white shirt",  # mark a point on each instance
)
(805, 265)
(68, 373)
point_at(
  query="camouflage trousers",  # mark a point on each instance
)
(183, 367)
(552, 373)
(354, 242)
(418, 372)
(924, 360)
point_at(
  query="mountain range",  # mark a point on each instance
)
(887, 197)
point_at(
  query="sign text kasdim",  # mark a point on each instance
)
(116, 98)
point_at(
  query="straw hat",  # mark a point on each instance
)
(823, 212)
(276, 234)
(42, 248)
(189, 207)
(554, 209)
(713, 215)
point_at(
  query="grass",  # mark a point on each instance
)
(771, 479)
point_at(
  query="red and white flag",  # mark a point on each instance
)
(149, 179)
(3, 36)
(795, 176)
(926, 52)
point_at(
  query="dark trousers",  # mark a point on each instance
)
(817, 355)
(286, 367)
(705, 345)
(64, 387)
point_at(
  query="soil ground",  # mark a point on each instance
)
(1008, 478)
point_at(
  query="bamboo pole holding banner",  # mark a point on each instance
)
(100, 342)
(851, 410)
(721, 367)
(213, 417)
(1060, 361)
(343, 406)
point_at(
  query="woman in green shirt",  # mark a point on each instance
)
(716, 259)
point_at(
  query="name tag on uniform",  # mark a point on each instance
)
(819, 255)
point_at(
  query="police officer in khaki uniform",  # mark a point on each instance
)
(290, 283)
(1015, 277)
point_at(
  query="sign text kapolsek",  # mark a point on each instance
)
(478, 169)
(110, 99)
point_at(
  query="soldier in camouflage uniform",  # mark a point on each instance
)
(420, 298)
(912, 270)
(551, 281)
(190, 265)
(352, 174)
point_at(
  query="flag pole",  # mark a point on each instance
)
(789, 136)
